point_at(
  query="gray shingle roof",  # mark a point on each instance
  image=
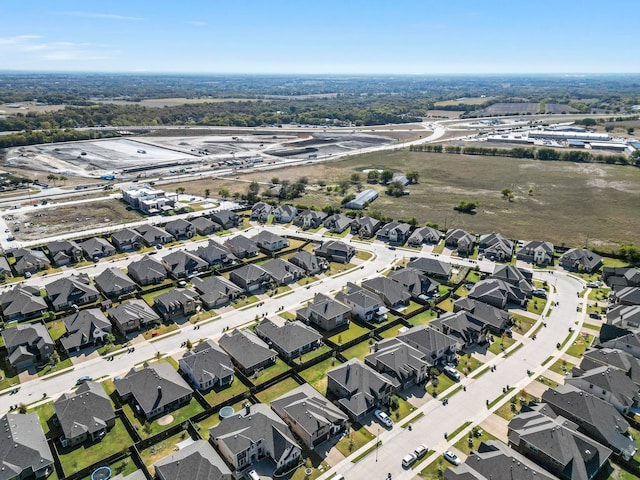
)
(489, 314)
(306, 260)
(72, 289)
(114, 280)
(513, 276)
(84, 327)
(35, 334)
(135, 310)
(181, 262)
(280, 269)
(197, 461)
(325, 307)
(581, 256)
(246, 348)
(288, 337)
(208, 361)
(146, 269)
(431, 266)
(22, 300)
(393, 293)
(241, 245)
(610, 380)
(86, 411)
(23, 445)
(215, 288)
(428, 341)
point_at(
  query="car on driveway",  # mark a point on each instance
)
(451, 457)
(384, 418)
(409, 460)
(82, 380)
(452, 373)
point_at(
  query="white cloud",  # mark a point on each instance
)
(104, 16)
(17, 40)
(34, 48)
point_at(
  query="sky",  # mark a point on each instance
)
(321, 37)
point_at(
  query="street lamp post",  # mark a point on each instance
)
(377, 443)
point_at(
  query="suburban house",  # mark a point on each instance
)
(248, 352)
(556, 445)
(27, 345)
(283, 272)
(113, 283)
(64, 252)
(22, 303)
(436, 347)
(394, 232)
(394, 358)
(207, 366)
(270, 241)
(181, 264)
(204, 226)
(5, 268)
(215, 254)
(618, 359)
(364, 303)
(495, 247)
(226, 219)
(496, 320)
(260, 212)
(132, 316)
(629, 342)
(463, 326)
(359, 388)
(416, 283)
(97, 247)
(252, 435)
(250, 278)
(594, 417)
(195, 461)
(536, 252)
(621, 277)
(242, 247)
(425, 235)
(460, 241)
(496, 461)
(284, 213)
(627, 296)
(86, 414)
(176, 303)
(85, 328)
(580, 259)
(432, 267)
(337, 223)
(153, 236)
(363, 199)
(497, 293)
(180, 228)
(365, 227)
(147, 271)
(608, 384)
(28, 261)
(335, 251)
(25, 451)
(126, 240)
(290, 339)
(309, 415)
(153, 390)
(516, 277)
(216, 291)
(72, 290)
(309, 219)
(311, 264)
(392, 293)
(324, 312)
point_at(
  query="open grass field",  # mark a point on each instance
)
(593, 201)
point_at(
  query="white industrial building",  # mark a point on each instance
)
(147, 199)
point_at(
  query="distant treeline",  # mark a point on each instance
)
(337, 111)
(520, 152)
(52, 136)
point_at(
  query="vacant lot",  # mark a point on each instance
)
(74, 218)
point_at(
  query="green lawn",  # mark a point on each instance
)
(536, 305)
(160, 450)
(356, 438)
(522, 323)
(513, 407)
(45, 412)
(270, 372)
(360, 350)
(443, 383)
(435, 470)
(313, 354)
(461, 291)
(287, 315)
(275, 391)
(8, 375)
(467, 444)
(316, 376)
(473, 277)
(467, 364)
(423, 318)
(147, 429)
(390, 332)
(76, 458)
(404, 409)
(592, 326)
(218, 395)
(362, 255)
(354, 331)
(579, 346)
(148, 297)
(412, 307)
(446, 305)
(336, 268)
(212, 420)
(246, 301)
(56, 329)
(65, 362)
(547, 381)
(123, 467)
(160, 330)
(314, 461)
(558, 367)
(501, 344)
(599, 294)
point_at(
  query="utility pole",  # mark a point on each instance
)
(377, 443)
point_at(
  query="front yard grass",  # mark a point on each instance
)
(359, 350)
(318, 467)
(523, 323)
(352, 441)
(404, 409)
(275, 391)
(147, 429)
(423, 318)
(501, 344)
(218, 394)
(513, 407)
(270, 372)
(435, 470)
(362, 255)
(288, 315)
(466, 445)
(159, 330)
(536, 305)
(336, 268)
(79, 457)
(316, 376)
(48, 369)
(354, 331)
(8, 376)
(579, 346)
(45, 412)
(467, 364)
(245, 301)
(443, 382)
(599, 294)
(547, 381)
(561, 367)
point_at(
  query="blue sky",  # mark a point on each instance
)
(329, 36)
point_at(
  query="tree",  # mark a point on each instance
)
(630, 253)
(224, 193)
(505, 192)
(466, 207)
(189, 345)
(207, 192)
(413, 176)
(252, 192)
(62, 178)
(386, 176)
(54, 358)
(609, 128)
(180, 190)
(275, 180)
(373, 176)
(395, 189)
(630, 130)
(355, 178)
(52, 178)
(343, 186)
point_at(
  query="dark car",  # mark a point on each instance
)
(82, 380)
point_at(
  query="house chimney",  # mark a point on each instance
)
(159, 391)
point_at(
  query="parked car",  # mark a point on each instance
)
(409, 460)
(384, 418)
(338, 476)
(451, 457)
(539, 292)
(253, 475)
(452, 373)
(82, 380)
(421, 450)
